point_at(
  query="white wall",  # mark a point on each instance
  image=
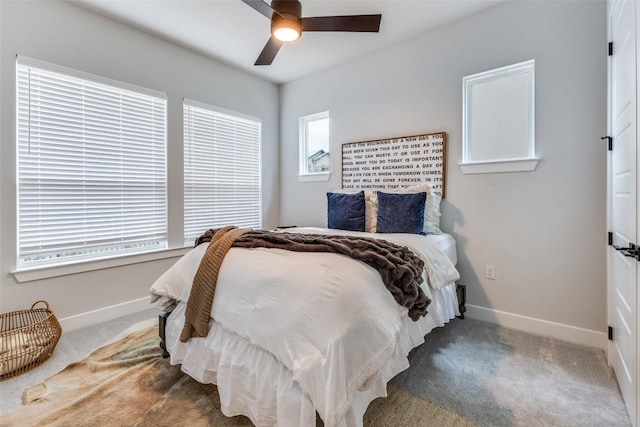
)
(64, 34)
(544, 230)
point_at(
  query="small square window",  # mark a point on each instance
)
(498, 120)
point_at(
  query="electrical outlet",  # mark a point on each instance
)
(490, 272)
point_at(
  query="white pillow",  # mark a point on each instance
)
(432, 214)
(370, 211)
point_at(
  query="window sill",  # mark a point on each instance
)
(499, 166)
(30, 274)
(314, 177)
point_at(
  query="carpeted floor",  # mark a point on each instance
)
(496, 376)
(489, 375)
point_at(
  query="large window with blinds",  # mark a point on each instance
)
(92, 180)
(221, 169)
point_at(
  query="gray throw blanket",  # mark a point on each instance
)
(400, 269)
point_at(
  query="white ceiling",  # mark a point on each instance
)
(232, 32)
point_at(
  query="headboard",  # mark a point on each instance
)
(395, 162)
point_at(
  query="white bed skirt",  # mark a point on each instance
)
(252, 382)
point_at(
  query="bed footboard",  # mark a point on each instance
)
(162, 325)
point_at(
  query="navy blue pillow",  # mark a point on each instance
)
(345, 211)
(401, 213)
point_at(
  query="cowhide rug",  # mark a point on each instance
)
(128, 383)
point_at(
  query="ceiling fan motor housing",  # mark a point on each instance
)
(288, 16)
(288, 7)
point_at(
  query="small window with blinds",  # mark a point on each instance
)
(221, 169)
(92, 179)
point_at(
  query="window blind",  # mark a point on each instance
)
(91, 168)
(221, 170)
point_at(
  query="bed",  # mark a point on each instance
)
(298, 335)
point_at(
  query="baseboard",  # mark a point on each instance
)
(545, 328)
(89, 318)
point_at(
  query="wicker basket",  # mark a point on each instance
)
(27, 339)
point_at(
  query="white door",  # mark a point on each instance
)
(623, 201)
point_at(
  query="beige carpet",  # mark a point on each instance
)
(127, 383)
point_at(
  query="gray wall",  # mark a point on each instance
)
(544, 230)
(63, 34)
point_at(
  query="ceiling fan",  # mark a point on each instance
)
(287, 24)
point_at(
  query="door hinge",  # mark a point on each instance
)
(610, 333)
(610, 140)
(610, 238)
(610, 48)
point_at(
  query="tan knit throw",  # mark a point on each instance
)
(196, 322)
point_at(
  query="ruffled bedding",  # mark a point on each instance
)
(331, 347)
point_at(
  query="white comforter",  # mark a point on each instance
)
(327, 318)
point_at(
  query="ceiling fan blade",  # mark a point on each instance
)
(261, 7)
(354, 23)
(269, 52)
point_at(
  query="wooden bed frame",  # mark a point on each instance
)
(461, 291)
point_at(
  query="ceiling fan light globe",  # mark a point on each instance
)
(286, 34)
(286, 27)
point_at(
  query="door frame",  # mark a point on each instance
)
(609, 252)
(609, 296)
